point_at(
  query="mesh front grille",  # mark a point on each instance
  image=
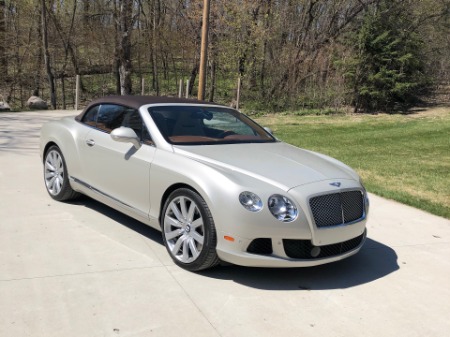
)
(261, 247)
(337, 209)
(303, 249)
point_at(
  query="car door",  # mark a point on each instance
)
(117, 170)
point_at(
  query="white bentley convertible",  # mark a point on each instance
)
(218, 186)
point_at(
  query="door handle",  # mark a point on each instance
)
(90, 142)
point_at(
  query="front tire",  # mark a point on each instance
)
(188, 231)
(56, 177)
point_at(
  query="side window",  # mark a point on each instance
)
(132, 119)
(90, 117)
(110, 116)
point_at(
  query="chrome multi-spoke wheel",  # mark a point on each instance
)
(55, 175)
(188, 231)
(184, 229)
(54, 172)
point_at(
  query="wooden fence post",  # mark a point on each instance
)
(238, 96)
(187, 88)
(77, 91)
(180, 89)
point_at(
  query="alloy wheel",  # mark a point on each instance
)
(184, 229)
(54, 172)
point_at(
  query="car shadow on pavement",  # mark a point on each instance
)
(119, 217)
(374, 261)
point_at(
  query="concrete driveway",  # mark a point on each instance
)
(83, 269)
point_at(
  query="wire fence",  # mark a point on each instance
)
(100, 85)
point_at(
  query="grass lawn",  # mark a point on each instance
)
(400, 157)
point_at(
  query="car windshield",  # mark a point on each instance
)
(199, 125)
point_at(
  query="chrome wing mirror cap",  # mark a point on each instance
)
(126, 135)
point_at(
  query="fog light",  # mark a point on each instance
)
(315, 252)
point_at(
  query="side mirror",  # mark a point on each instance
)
(126, 135)
(269, 130)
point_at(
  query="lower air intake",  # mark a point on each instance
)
(260, 247)
(305, 250)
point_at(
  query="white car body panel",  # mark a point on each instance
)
(288, 166)
(118, 169)
(135, 182)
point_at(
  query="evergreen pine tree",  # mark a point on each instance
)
(387, 71)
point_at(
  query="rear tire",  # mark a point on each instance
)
(56, 177)
(188, 231)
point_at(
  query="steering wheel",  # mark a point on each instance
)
(226, 133)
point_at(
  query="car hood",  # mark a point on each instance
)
(277, 163)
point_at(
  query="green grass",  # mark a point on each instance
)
(400, 157)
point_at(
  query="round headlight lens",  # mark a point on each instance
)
(282, 208)
(250, 201)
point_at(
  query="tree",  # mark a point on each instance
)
(48, 68)
(285, 51)
(387, 71)
(3, 58)
(125, 22)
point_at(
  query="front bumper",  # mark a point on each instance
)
(288, 252)
(261, 240)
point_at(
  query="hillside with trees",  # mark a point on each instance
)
(372, 55)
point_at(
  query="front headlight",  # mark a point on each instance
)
(250, 201)
(282, 208)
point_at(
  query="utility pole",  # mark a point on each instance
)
(203, 51)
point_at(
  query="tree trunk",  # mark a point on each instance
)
(116, 63)
(154, 66)
(3, 57)
(194, 73)
(51, 78)
(153, 52)
(267, 26)
(86, 14)
(63, 92)
(212, 85)
(125, 29)
(213, 69)
(253, 49)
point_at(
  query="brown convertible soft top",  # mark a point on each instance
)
(136, 102)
